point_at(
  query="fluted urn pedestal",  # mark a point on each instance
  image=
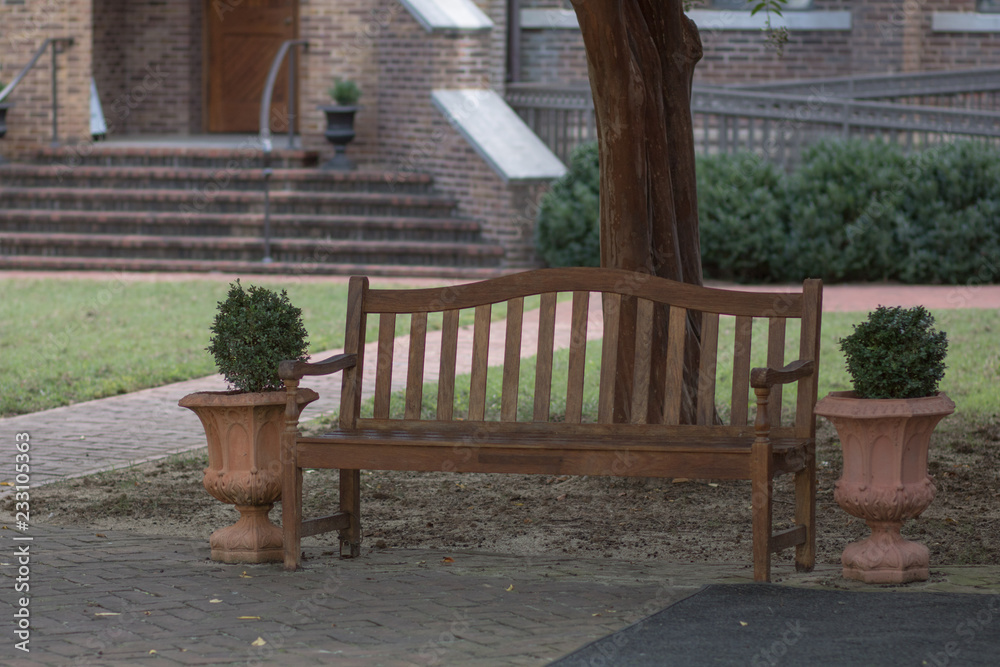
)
(885, 480)
(244, 467)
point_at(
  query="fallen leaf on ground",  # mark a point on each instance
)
(6, 484)
(510, 588)
(214, 601)
(258, 642)
(447, 559)
(152, 651)
(107, 613)
(744, 623)
(248, 618)
(99, 535)
(244, 575)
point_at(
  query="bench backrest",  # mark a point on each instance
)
(640, 313)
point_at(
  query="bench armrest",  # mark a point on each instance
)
(295, 370)
(768, 377)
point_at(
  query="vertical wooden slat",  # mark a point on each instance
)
(543, 360)
(675, 365)
(611, 304)
(415, 365)
(511, 360)
(577, 358)
(446, 374)
(383, 366)
(480, 362)
(775, 359)
(643, 360)
(706, 376)
(354, 343)
(741, 370)
(812, 313)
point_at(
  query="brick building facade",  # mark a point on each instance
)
(150, 60)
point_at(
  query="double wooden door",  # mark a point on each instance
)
(243, 38)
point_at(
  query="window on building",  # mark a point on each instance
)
(744, 5)
(988, 5)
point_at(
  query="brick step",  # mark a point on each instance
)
(207, 201)
(45, 263)
(126, 223)
(244, 249)
(212, 180)
(246, 155)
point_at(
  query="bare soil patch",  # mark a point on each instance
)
(676, 520)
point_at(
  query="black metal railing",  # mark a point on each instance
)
(58, 44)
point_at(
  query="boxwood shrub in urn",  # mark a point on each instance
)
(896, 360)
(254, 330)
(340, 122)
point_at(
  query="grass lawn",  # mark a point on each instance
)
(65, 341)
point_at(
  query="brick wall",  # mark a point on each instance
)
(413, 136)
(342, 37)
(156, 83)
(886, 36)
(24, 27)
(940, 50)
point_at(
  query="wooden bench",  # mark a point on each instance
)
(619, 443)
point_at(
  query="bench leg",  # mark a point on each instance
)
(291, 515)
(350, 502)
(760, 475)
(805, 512)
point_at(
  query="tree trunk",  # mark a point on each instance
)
(641, 55)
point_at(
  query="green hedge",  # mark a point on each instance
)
(851, 211)
(568, 232)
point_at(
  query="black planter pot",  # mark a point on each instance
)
(339, 132)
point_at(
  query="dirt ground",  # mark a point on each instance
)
(678, 520)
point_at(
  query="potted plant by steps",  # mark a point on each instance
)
(340, 122)
(254, 330)
(896, 360)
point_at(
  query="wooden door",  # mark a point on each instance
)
(243, 38)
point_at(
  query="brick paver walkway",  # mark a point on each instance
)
(118, 598)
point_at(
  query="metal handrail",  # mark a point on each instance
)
(265, 126)
(272, 77)
(55, 42)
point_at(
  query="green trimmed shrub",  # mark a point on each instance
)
(345, 93)
(951, 208)
(896, 353)
(254, 330)
(742, 213)
(852, 211)
(567, 230)
(843, 207)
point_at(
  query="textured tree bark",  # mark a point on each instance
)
(641, 56)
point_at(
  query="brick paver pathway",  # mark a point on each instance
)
(118, 599)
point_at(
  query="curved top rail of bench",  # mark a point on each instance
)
(616, 281)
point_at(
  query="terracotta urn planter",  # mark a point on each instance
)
(885, 480)
(244, 467)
